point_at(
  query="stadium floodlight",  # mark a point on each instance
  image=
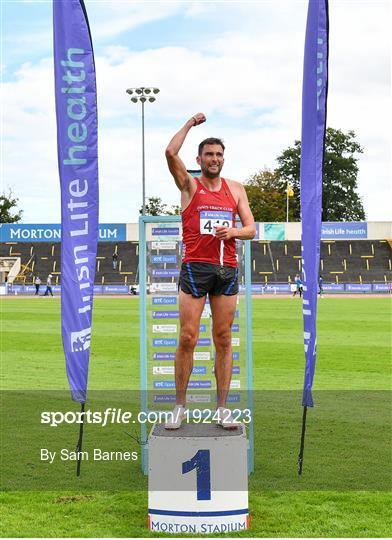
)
(143, 94)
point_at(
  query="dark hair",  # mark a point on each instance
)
(210, 140)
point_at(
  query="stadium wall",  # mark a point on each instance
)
(112, 232)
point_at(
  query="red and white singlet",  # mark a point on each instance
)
(209, 209)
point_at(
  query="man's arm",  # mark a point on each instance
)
(176, 165)
(248, 230)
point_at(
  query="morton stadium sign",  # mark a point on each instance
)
(14, 232)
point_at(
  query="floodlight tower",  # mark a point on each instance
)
(143, 94)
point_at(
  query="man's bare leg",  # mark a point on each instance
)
(191, 309)
(223, 311)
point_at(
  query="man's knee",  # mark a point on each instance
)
(188, 339)
(222, 338)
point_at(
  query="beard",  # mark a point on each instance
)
(209, 174)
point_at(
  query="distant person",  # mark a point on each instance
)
(49, 286)
(292, 286)
(115, 260)
(37, 282)
(320, 284)
(298, 286)
(132, 290)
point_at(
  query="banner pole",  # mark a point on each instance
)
(80, 441)
(302, 445)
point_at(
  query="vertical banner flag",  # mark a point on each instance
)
(76, 111)
(314, 109)
(314, 112)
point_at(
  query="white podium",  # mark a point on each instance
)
(198, 479)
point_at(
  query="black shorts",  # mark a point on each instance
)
(199, 279)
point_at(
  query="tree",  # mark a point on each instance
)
(267, 196)
(155, 207)
(175, 210)
(341, 201)
(7, 204)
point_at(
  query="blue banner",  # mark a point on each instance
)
(358, 287)
(344, 231)
(164, 398)
(204, 342)
(170, 342)
(165, 314)
(115, 289)
(51, 232)
(277, 287)
(314, 105)
(165, 231)
(164, 356)
(192, 384)
(164, 300)
(333, 287)
(199, 370)
(17, 289)
(161, 259)
(77, 148)
(165, 273)
(382, 287)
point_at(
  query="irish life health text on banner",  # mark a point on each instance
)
(314, 102)
(76, 111)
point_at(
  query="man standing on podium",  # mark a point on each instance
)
(209, 263)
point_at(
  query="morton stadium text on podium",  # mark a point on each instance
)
(198, 480)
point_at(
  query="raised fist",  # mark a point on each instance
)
(198, 119)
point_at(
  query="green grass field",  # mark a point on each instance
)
(346, 487)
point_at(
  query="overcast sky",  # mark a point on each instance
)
(238, 62)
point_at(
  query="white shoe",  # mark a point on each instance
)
(226, 420)
(176, 417)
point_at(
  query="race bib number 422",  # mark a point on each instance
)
(211, 219)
